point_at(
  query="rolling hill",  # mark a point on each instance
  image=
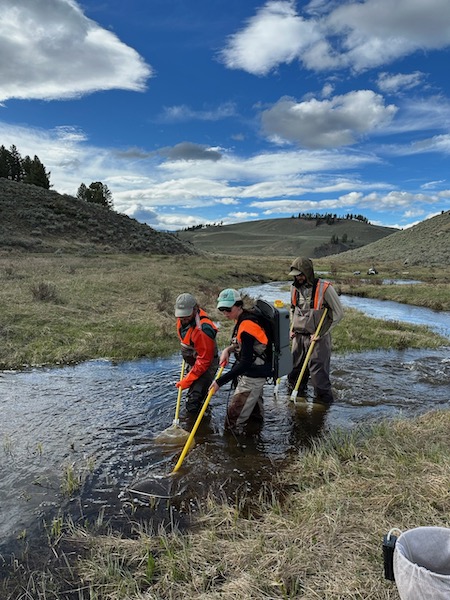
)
(425, 244)
(37, 220)
(285, 237)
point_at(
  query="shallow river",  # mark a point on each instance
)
(99, 419)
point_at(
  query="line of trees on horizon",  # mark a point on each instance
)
(330, 218)
(327, 218)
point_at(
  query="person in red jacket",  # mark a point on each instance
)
(197, 335)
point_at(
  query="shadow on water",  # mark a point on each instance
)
(97, 422)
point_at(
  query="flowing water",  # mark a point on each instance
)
(98, 420)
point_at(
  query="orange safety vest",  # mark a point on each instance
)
(251, 327)
(319, 295)
(200, 317)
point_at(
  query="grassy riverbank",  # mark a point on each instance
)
(432, 292)
(67, 308)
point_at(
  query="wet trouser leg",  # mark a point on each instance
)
(300, 345)
(246, 403)
(319, 369)
(199, 389)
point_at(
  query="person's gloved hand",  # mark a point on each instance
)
(182, 384)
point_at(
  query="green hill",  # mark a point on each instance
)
(425, 244)
(285, 237)
(37, 220)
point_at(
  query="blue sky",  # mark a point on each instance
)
(208, 111)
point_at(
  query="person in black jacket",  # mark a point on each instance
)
(252, 367)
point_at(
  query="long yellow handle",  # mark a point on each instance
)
(307, 357)
(180, 392)
(196, 424)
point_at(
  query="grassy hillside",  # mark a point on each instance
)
(284, 237)
(37, 220)
(425, 244)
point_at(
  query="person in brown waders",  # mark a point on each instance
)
(310, 296)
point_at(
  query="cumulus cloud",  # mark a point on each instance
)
(275, 35)
(330, 123)
(176, 194)
(227, 201)
(398, 200)
(243, 216)
(161, 221)
(51, 50)
(355, 35)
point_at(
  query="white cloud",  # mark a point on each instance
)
(161, 221)
(327, 123)
(374, 34)
(166, 194)
(227, 201)
(432, 184)
(243, 215)
(275, 35)
(399, 82)
(355, 35)
(50, 50)
(406, 201)
(174, 114)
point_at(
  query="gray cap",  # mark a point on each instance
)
(184, 305)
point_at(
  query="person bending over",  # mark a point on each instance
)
(197, 335)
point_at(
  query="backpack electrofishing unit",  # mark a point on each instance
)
(275, 322)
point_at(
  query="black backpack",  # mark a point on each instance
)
(275, 322)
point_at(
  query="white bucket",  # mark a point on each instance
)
(422, 564)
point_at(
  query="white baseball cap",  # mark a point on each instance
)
(228, 298)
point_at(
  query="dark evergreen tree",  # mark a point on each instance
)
(15, 164)
(35, 172)
(4, 163)
(16, 168)
(97, 192)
